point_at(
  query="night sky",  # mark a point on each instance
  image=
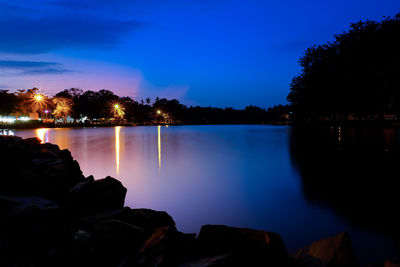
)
(202, 52)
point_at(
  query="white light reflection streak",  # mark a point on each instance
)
(159, 147)
(117, 144)
(6, 132)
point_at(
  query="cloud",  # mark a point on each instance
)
(44, 71)
(17, 64)
(18, 67)
(29, 31)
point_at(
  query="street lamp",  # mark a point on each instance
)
(38, 97)
(119, 110)
(158, 111)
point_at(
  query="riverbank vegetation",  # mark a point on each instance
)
(356, 77)
(74, 106)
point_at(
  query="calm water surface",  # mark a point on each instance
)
(244, 176)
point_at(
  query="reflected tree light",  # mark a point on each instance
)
(43, 135)
(117, 146)
(159, 147)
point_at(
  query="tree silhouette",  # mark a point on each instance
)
(101, 106)
(7, 102)
(358, 73)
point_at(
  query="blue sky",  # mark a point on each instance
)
(202, 52)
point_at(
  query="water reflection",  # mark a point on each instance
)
(244, 176)
(117, 146)
(43, 135)
(355, 173)
(6, 132)
(159, 146)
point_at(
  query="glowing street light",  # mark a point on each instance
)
(38, 98)
(158, 111)
(118, 110)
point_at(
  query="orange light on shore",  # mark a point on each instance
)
(118, 110)
(38, 97)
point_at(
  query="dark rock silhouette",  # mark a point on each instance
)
(245, 246)
(51, 215)
(333, 251)
(97, 195)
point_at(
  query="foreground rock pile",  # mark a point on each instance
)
(51, 215)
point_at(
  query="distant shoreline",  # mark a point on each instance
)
(105, 125)
(347, 124)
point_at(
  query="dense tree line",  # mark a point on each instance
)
(105, 106)
(357, 75)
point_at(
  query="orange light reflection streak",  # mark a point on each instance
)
(117, 146)
(159, 147)
(42, 134)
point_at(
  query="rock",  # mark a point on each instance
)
(79, 188)
(30, 205)
(115, 241)
(33, 227)
(165, 247)
(31, 168)
(147, 219)
(248, 247)
(97, 195)
(154, 249)
(115, 231)
(392, 263)
(220, 260)
(333, 251)
(81, 236)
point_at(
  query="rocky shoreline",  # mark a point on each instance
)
(51, 215)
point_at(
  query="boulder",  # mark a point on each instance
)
(115, 241)
(147, 219)
(31, 168)
(332, 251)
(248, 247)
(33, 228)
(154, 249)
(392, 263)
(92, 196)
(220, 260)
(165, 247)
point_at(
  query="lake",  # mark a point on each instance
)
(304, 185)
